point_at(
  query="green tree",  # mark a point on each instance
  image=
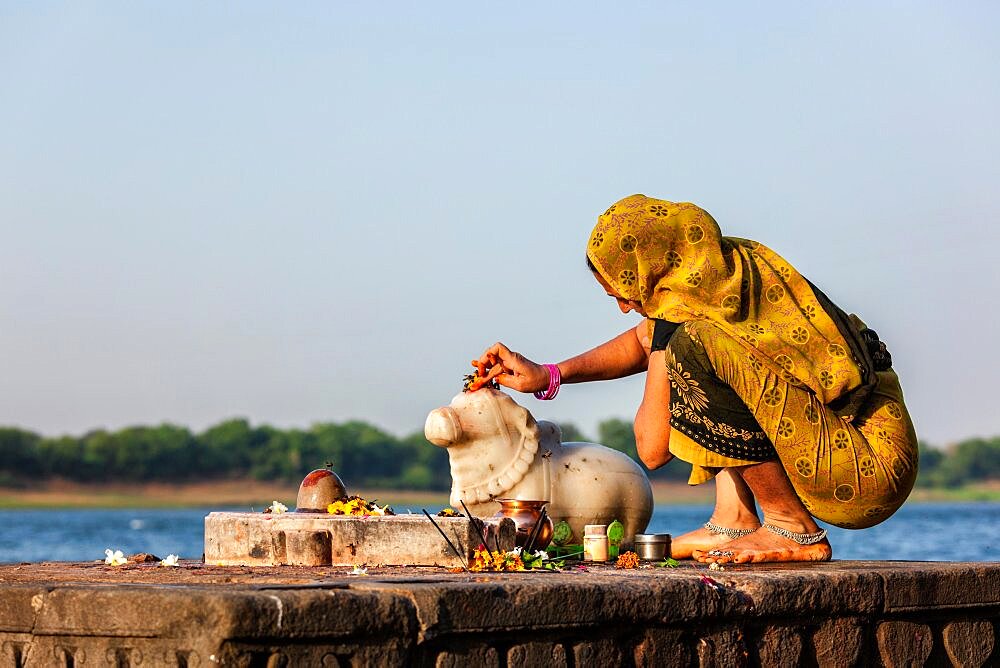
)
(98, 456)
(229, 447)
(164, 452)
(280, 456)
(60, 457)
(620, 435)
(363, 455)
(19, 453)
(971, 460)
(371, 456)
(331, 444)
(570, 432)
(429, 468)
(930, 463)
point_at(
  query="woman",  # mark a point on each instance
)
(753, 377)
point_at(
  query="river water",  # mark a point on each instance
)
(918, 532)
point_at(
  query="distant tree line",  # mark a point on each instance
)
(971, 460)
(362, 454)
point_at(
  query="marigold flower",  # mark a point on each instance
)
(627, 560)
(358, 507)
(498, 562)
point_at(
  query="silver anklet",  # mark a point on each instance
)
(800, 538)
(732, 534)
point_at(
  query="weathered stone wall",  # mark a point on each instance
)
(836, 614)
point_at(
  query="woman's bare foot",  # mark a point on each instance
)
(701, 539)
(761, 546)
(782, 510)
(784, 513)
(734, 509)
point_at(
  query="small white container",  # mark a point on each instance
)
(595, 542)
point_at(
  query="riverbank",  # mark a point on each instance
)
(249, 494)
(256, 494)
(246, 494)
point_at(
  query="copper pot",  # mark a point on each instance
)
(526, 515)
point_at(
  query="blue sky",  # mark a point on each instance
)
(321, 211)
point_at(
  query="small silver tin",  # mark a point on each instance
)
(652, 546)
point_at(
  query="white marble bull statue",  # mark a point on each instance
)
(497, 450)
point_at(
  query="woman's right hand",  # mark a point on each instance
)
(519, 373)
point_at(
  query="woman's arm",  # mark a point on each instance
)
(624, 355)
(652, 420)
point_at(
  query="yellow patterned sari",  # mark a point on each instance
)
(778, 344)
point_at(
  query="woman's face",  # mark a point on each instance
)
(625, 305)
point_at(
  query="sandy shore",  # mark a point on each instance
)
(234, 493)
(257, 494)
(221, 493)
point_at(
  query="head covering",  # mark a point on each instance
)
(672, 258)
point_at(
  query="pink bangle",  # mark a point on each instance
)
(555, 380)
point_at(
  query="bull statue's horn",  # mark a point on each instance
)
(442, 427)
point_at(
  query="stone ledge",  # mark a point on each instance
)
(838, 613)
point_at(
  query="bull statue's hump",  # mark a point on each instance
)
(496, 449)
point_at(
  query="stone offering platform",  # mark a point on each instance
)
(321, 539)
(841, 613)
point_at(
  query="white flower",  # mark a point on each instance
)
(277, 507)
(379, 512)
(531, 556)
(115, 558)
(171, 560)
(359, 571)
